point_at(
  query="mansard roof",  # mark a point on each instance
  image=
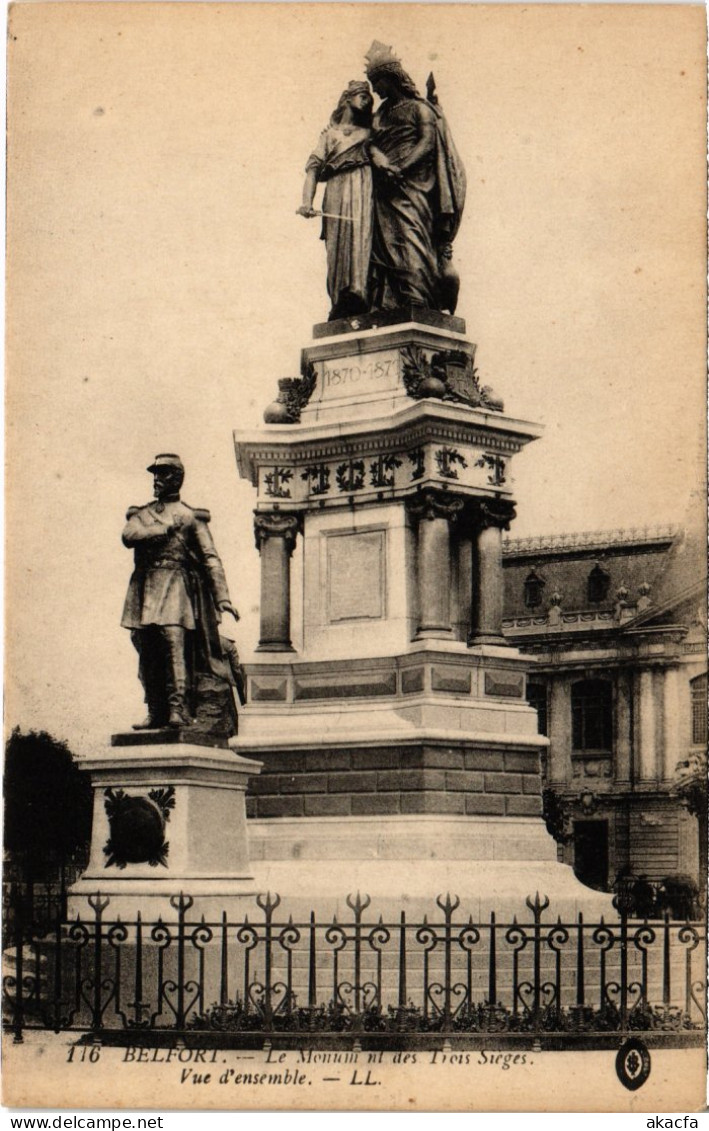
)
(655, 578)
(630, 559)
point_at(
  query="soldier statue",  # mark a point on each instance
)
(175, 601)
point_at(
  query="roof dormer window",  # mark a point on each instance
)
(598, 585)
(533, 590)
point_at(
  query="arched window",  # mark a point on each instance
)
(533, 590)
(537, 698)
(698, 688)
(597, 585)
(592, 714)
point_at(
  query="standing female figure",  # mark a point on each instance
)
(341, 160)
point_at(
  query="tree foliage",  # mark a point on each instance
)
(48, 803)
(690, 783)
(556, 817)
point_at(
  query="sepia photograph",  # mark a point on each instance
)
(356, 633)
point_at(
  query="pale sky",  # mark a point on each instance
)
(160, 282)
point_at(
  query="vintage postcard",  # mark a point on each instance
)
(356, 599)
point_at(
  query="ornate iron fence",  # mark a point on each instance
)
(260, 976)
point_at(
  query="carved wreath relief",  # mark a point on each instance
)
(355, 474)
(137, 827)
(448, 374)
(445, 374)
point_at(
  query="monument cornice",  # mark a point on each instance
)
(425, 421)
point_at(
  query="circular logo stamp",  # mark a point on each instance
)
(632, 1064)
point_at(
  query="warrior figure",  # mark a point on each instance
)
(419, 192)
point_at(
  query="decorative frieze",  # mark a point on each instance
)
(317, 476)
(349, 476)
(446, 458)
(274, 483)
(328, 477)
(417, 457)
(496, 465)
(381, 471)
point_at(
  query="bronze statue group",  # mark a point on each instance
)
(394, 195)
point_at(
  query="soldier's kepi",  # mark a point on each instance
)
(175, 599)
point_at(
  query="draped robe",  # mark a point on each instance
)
(413, 218)
(340, 159)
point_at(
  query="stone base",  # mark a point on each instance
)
(440, 730)
(421, 315)
(404, 863)
(168, 818)
(160, 899)
(168, 736)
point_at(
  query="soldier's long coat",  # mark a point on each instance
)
(178, 577)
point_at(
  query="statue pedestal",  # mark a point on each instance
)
(168, 817)
(403, 863)
(403, 795)
(400, 757)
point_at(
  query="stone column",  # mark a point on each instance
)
(435, 512)
(275, 540)
(559, 763)
(623, 736)
(647, 731)
(489, 588)
(671, 725)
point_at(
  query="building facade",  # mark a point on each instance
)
(616, 625)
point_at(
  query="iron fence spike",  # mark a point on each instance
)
(497, 966)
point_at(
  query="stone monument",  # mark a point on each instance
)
(386, 734)
(169, 794)
(400, 757)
